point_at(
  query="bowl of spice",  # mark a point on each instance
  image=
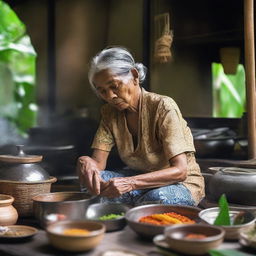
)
(152, 219)
(191, 239)
(110, 214)
(74, 235)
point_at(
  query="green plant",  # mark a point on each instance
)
(229, 96)
(223, 217)
(17, 72)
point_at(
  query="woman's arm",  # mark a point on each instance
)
(89, 170)
(177, 172)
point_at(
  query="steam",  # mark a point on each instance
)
(8, 133)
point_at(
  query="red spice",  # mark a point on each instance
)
(151, 220)
(195, 236)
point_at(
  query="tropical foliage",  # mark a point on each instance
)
(17, 72)
(229, 97)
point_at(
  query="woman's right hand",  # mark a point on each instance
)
(89, 174)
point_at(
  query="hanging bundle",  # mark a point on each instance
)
(164, 38)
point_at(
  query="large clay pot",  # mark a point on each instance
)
(8, 214)
(238, 184)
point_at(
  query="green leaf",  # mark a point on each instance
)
(17, 72)
(223, 218)
(229, 94)
(227, 252)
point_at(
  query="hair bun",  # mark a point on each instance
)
(142, 70)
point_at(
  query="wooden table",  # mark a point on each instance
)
(125, 239)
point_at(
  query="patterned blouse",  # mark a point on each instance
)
(162, 134)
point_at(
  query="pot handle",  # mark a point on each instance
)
(214, 169)
(20, 150)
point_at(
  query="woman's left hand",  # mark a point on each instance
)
(115, 187)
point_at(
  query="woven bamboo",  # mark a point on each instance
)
(23, 192)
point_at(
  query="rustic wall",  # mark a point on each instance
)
(200, 28)
(83, 27)
(80, 33)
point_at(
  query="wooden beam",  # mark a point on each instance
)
(250, 75)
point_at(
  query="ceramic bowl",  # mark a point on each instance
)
(149, 230)
(177, 238)
(238, 184)
(96, 211)
(232, 232)
(75, 243)
(248, 238)
(50, 207)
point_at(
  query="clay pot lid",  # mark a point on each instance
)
(21, 157)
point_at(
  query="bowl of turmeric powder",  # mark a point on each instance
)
(152, 219)
(75, 235)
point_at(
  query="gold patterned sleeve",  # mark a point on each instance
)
(174, 133)
(103, 138)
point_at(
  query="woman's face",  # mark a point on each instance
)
(122, 93)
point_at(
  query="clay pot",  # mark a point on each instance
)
(8, 214)
(215, 143)
(238, 184)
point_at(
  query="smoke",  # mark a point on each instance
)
(9, 133)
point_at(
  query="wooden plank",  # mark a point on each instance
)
(250, 75)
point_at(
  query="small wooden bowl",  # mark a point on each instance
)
(75, 243)
(176, 238)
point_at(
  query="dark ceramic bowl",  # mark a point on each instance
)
(150, 230)
(238, 184)
(95, 211)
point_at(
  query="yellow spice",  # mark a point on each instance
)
(76, 231)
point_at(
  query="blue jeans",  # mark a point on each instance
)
(172, 194)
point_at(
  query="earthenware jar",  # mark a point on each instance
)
(238, 184)
(8, 214)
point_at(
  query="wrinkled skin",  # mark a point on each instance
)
(124, 95)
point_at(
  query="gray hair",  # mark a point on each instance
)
(119, 61)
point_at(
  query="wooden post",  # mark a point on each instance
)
(250, 75)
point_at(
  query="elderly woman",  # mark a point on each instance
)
(151, 136)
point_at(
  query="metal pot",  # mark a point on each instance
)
(239, 185)
(50, 207)
(22, 167)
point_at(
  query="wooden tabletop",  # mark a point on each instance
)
(125, 239)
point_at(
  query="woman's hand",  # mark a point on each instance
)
(115, 187)
(175, 173)
(89, 174)
(89, 168)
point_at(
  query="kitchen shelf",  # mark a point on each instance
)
(227, 36)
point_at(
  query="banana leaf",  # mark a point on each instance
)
(227, 252)
(223, 218)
